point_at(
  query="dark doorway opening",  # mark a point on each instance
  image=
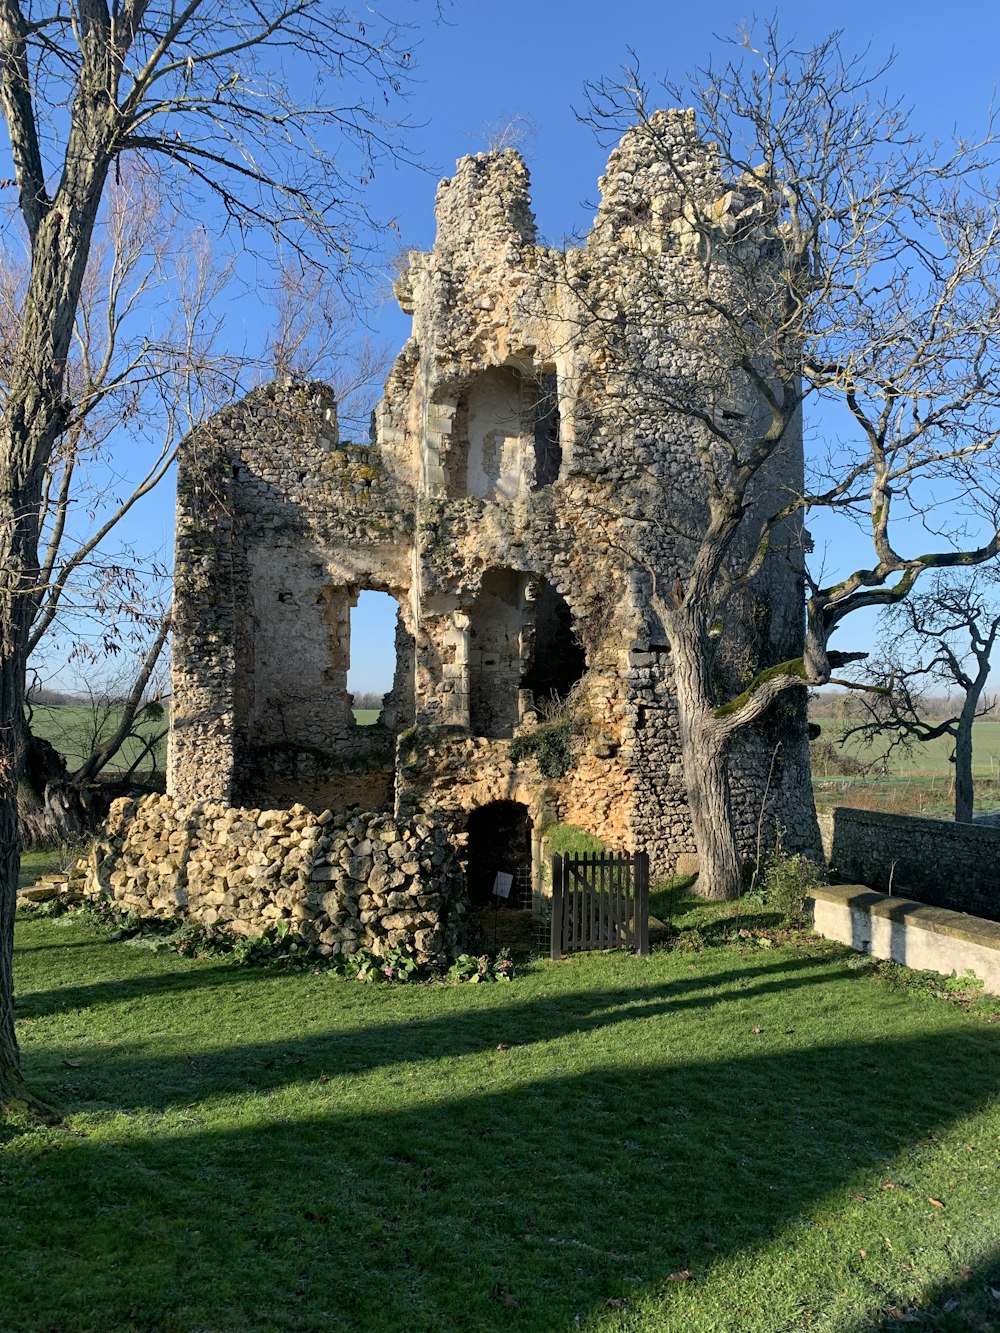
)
(499, 840)
(557, 656)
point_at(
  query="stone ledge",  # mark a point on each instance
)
(914, 934)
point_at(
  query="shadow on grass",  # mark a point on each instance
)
(277, 1185)
(562, 1193)
(114, 990)
(970, 1304)
(156, 1083)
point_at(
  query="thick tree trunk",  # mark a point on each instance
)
(703, 752)
(10, 1069)
(34, 415)
(51, 809)
(964, 790)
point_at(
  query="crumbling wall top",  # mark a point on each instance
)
(485, 202)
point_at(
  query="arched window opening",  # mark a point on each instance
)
(499, 842)
(503, 440)
(498, 434)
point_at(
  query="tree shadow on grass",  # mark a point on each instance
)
(969, 1304)
(130, 1081)
(557, 1175)
(160, 985)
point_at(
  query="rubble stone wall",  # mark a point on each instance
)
(935, 861)
(344, 883)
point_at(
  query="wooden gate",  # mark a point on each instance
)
(600, 901)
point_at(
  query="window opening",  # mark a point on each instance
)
(495, 653)
(557, 657)
(380, 672)
(548, 451)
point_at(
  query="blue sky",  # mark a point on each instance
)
(489, 64)
(486, 64)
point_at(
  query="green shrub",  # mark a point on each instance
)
(477, 969)
(549, 745)
(787, 882)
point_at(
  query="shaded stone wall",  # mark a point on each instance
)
(279, 527)
(366, 881)
(935, 861)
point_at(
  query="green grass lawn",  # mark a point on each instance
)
(740, 1138)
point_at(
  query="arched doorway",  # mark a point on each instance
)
(499, 840)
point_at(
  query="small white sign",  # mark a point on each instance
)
(502, 883)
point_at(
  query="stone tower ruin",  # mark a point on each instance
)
(532, 681)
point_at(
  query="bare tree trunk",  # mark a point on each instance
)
(51, 807)
(964, 790)
(17, 558)
(704, 742)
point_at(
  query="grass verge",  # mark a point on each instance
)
(738, 1137)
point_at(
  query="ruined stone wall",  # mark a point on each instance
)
(343, 884)
(489, 296)
(279, 526)
(522, 436)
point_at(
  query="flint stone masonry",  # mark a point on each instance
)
(498, 501)
(936, 861)
(343, 883)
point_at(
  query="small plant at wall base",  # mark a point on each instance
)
(550, 746)
(786, 884)
(475, 969)
(278, 946)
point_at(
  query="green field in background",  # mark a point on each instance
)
(929, 759)
(70, 728)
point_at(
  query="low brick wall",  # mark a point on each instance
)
(936, 861)
(909, 932)
(344, 883)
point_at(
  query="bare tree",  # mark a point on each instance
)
(55, 799)
(831, 256)
(315, 336)
(148, 363)
(232, 105)
(937, 641)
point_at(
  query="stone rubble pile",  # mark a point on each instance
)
(344, 883)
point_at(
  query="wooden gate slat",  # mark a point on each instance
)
(600, 900)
